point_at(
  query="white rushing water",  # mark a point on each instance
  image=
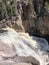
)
(25, 45)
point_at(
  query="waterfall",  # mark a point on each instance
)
(24, 45)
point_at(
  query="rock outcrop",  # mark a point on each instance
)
(17, 48)
(27, 21)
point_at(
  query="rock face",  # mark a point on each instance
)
(26, 21)
(43, 25)
(23, 48)
(30, 22)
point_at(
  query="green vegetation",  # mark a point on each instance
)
(31, 5)
(47, 5)
(9, 9)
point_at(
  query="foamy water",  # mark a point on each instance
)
(25, 45)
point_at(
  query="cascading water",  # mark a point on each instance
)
(24, 45)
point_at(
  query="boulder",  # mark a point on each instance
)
(6, 51)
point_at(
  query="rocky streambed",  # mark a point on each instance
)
(22, 49)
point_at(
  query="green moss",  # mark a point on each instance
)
(31, 5)
(47, 5)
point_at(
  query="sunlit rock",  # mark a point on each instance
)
(5, 50)
(18, 63)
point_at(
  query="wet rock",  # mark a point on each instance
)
(27, 59)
